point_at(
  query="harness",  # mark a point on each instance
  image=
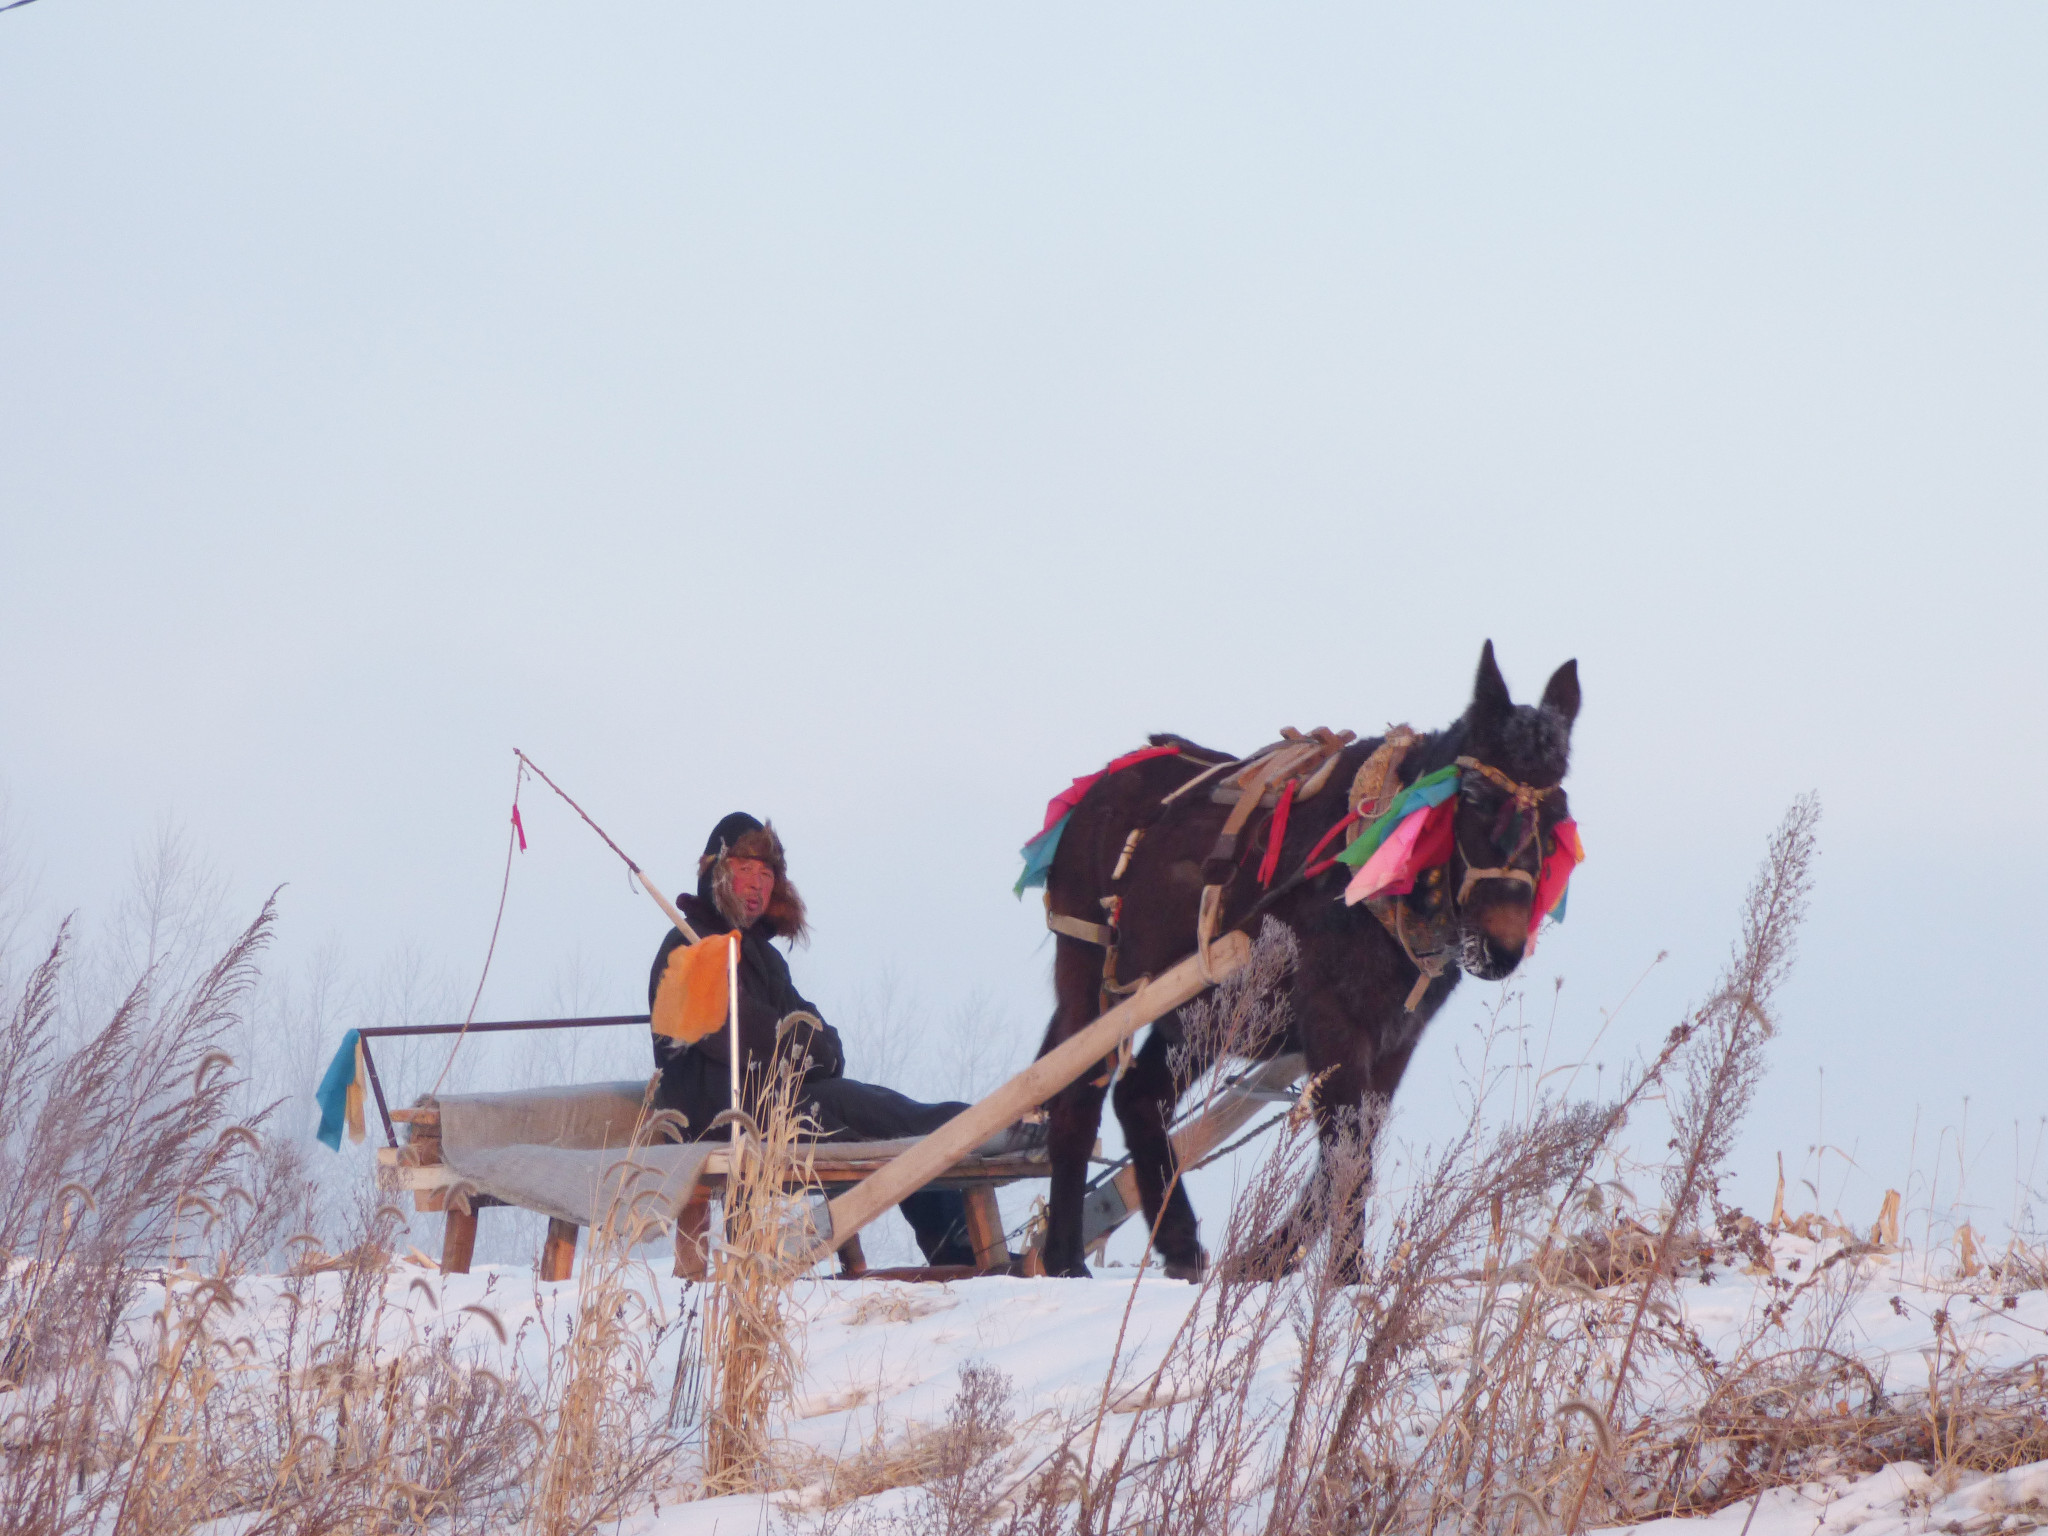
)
(1279, 777)
(1276, 777)
(1525, 800)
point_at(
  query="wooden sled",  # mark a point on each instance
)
(868, 1187)
(416, 1167)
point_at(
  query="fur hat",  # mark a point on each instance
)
(740, 836)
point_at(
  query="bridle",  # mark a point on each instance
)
(1434, 957)
(1526, 799)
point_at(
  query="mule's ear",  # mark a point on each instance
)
(1489, 688)
(1561, 693)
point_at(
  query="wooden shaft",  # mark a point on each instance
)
(910, 1171)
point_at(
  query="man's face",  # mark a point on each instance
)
(753, 884)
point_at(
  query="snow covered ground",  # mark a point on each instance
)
(882, 1360)
(1901, 1498)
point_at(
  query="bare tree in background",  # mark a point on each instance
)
(977, 1049)
(882, 1029)
(173, 918)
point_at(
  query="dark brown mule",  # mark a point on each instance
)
(1346, 1003)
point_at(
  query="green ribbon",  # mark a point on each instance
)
(1431, 789)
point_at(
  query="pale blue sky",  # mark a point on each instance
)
(873, 416)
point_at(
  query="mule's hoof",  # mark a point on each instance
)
(1190, 1272)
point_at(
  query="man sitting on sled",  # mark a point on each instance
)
(743, 885)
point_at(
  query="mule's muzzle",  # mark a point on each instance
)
(1494, 938)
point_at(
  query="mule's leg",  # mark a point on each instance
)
(1073, 1118)
(1074, 1114)
(1351, 1131)
(1145, 1098)
(1353, 1071)
(1347, 1124)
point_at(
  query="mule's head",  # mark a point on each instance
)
(1513, 759)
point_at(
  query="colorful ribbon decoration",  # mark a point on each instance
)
(340, 1094)
(1422, 841)
(1039, 851)
(1416, 835)
(1553, 880)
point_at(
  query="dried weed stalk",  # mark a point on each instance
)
(155, 1381)
(1490, 1368)
(960, 1469)
(750, 1342)
(603, 1452)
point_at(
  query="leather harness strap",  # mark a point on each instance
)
(1080, 928)
(1297, 754)
(1506, 872)
(1527, 798)
(1393, 916)
(1213, 769)
(1318, 749)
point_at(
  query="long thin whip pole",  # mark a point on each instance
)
(668, 907)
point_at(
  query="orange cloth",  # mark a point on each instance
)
(691, 1001)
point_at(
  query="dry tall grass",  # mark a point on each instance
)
(751, 1346)
(1512, 1361)
(603, 1452)
(155, 1381)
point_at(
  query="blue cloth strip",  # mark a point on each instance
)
(1432, 789)
(332, 1095)
(1038, 856)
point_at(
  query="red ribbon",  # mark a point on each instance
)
(1068, 798)
(518, 826)
(1269, 866)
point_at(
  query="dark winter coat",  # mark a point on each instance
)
(697, 1079)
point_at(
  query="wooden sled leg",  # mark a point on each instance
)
(458, 1241)
(985, 1229)
(693, 1238)
(558, 1253)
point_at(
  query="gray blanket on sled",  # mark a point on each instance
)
(565, 1152)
